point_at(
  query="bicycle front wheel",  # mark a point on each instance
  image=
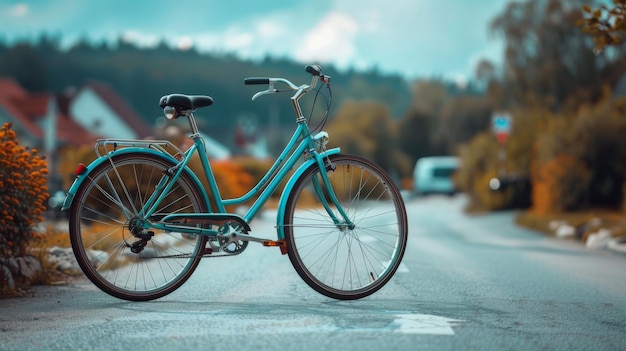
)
(346, 260)
(121, 260)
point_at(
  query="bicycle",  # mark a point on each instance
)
(140, 219)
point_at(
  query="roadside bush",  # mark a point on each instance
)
(560, 185)
(580, 159)
(599, 143)
(481, 161)
(486, 199)
(232, 179)
(255, 168)
(478, 166)
(475, 160)
(23, 192)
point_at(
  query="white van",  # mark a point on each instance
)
(433, 175)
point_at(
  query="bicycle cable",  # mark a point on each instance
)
(329, 100)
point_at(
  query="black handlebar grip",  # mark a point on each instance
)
(315, 70)
(256, 81)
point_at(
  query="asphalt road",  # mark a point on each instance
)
(466, 283)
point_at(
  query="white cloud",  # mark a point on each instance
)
(331, 40)
(237, 39)
(268, 30)
(184, 43)
(270, 35)
(140, 38)
(203, 41)
(19, 10)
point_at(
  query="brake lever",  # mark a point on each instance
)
(270, 90)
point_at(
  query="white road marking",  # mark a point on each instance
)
(402, 268)
(416, 323)
(224, 323)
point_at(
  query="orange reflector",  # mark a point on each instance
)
(80, 169)
(280, 243)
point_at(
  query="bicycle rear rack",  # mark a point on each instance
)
(105, 146)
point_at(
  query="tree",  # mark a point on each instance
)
(485, 71)
(366, 129)
(25, 64)
(548, 56)
(607, 25)
(462, 119)
(484, 75)
(417, 130)
(414, 134)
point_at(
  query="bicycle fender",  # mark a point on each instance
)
(282, 203)
(69, 197)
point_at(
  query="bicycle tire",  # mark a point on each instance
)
(335, 260)
(102, 211)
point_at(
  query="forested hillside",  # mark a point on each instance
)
(142, 75)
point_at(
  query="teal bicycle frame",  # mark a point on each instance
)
(301, 144)
(264, 189)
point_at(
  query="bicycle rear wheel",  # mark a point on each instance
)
(103, 219)
(338, 260)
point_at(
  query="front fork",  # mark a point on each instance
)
(324, 166)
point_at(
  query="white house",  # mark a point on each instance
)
(98, 109)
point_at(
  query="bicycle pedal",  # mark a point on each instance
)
(282, 244)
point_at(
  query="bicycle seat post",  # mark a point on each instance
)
(192, 123)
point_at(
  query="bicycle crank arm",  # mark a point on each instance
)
(264, 241)
(235, 236)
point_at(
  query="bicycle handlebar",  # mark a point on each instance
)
(314, 70)
(256, 80)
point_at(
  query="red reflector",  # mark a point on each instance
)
(80, 169)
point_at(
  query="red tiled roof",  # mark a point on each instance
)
(16, 101)
(130, 116)
(27, 108)
(35, 105)
(72, 133)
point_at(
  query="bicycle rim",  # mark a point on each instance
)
(334, 259)
(107, 206)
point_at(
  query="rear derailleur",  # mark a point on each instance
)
(138, 245)
(143, 236)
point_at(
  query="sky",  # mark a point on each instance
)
(413, 38)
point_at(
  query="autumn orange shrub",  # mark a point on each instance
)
(232, 180)
(560, 185)
(69, 158)
(23, 192)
